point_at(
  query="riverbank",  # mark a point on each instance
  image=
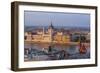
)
(58, 43)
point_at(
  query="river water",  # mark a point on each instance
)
(41, 52)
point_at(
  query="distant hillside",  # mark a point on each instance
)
(31, 28)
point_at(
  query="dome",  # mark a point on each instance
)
(51, 26)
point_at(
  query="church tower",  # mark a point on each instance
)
(50, 31)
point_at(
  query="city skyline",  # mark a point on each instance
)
(36, 18)
(45, 39)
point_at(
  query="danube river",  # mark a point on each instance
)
(47, 51)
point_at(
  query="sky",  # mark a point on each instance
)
(36, 18)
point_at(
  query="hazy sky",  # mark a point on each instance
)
(58, 19)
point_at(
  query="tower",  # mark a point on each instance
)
(43, 30)
(50, 31)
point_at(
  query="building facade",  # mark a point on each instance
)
(49, 35)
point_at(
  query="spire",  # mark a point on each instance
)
(51, 26)
(43, 30)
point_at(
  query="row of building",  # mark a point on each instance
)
(49, 35)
